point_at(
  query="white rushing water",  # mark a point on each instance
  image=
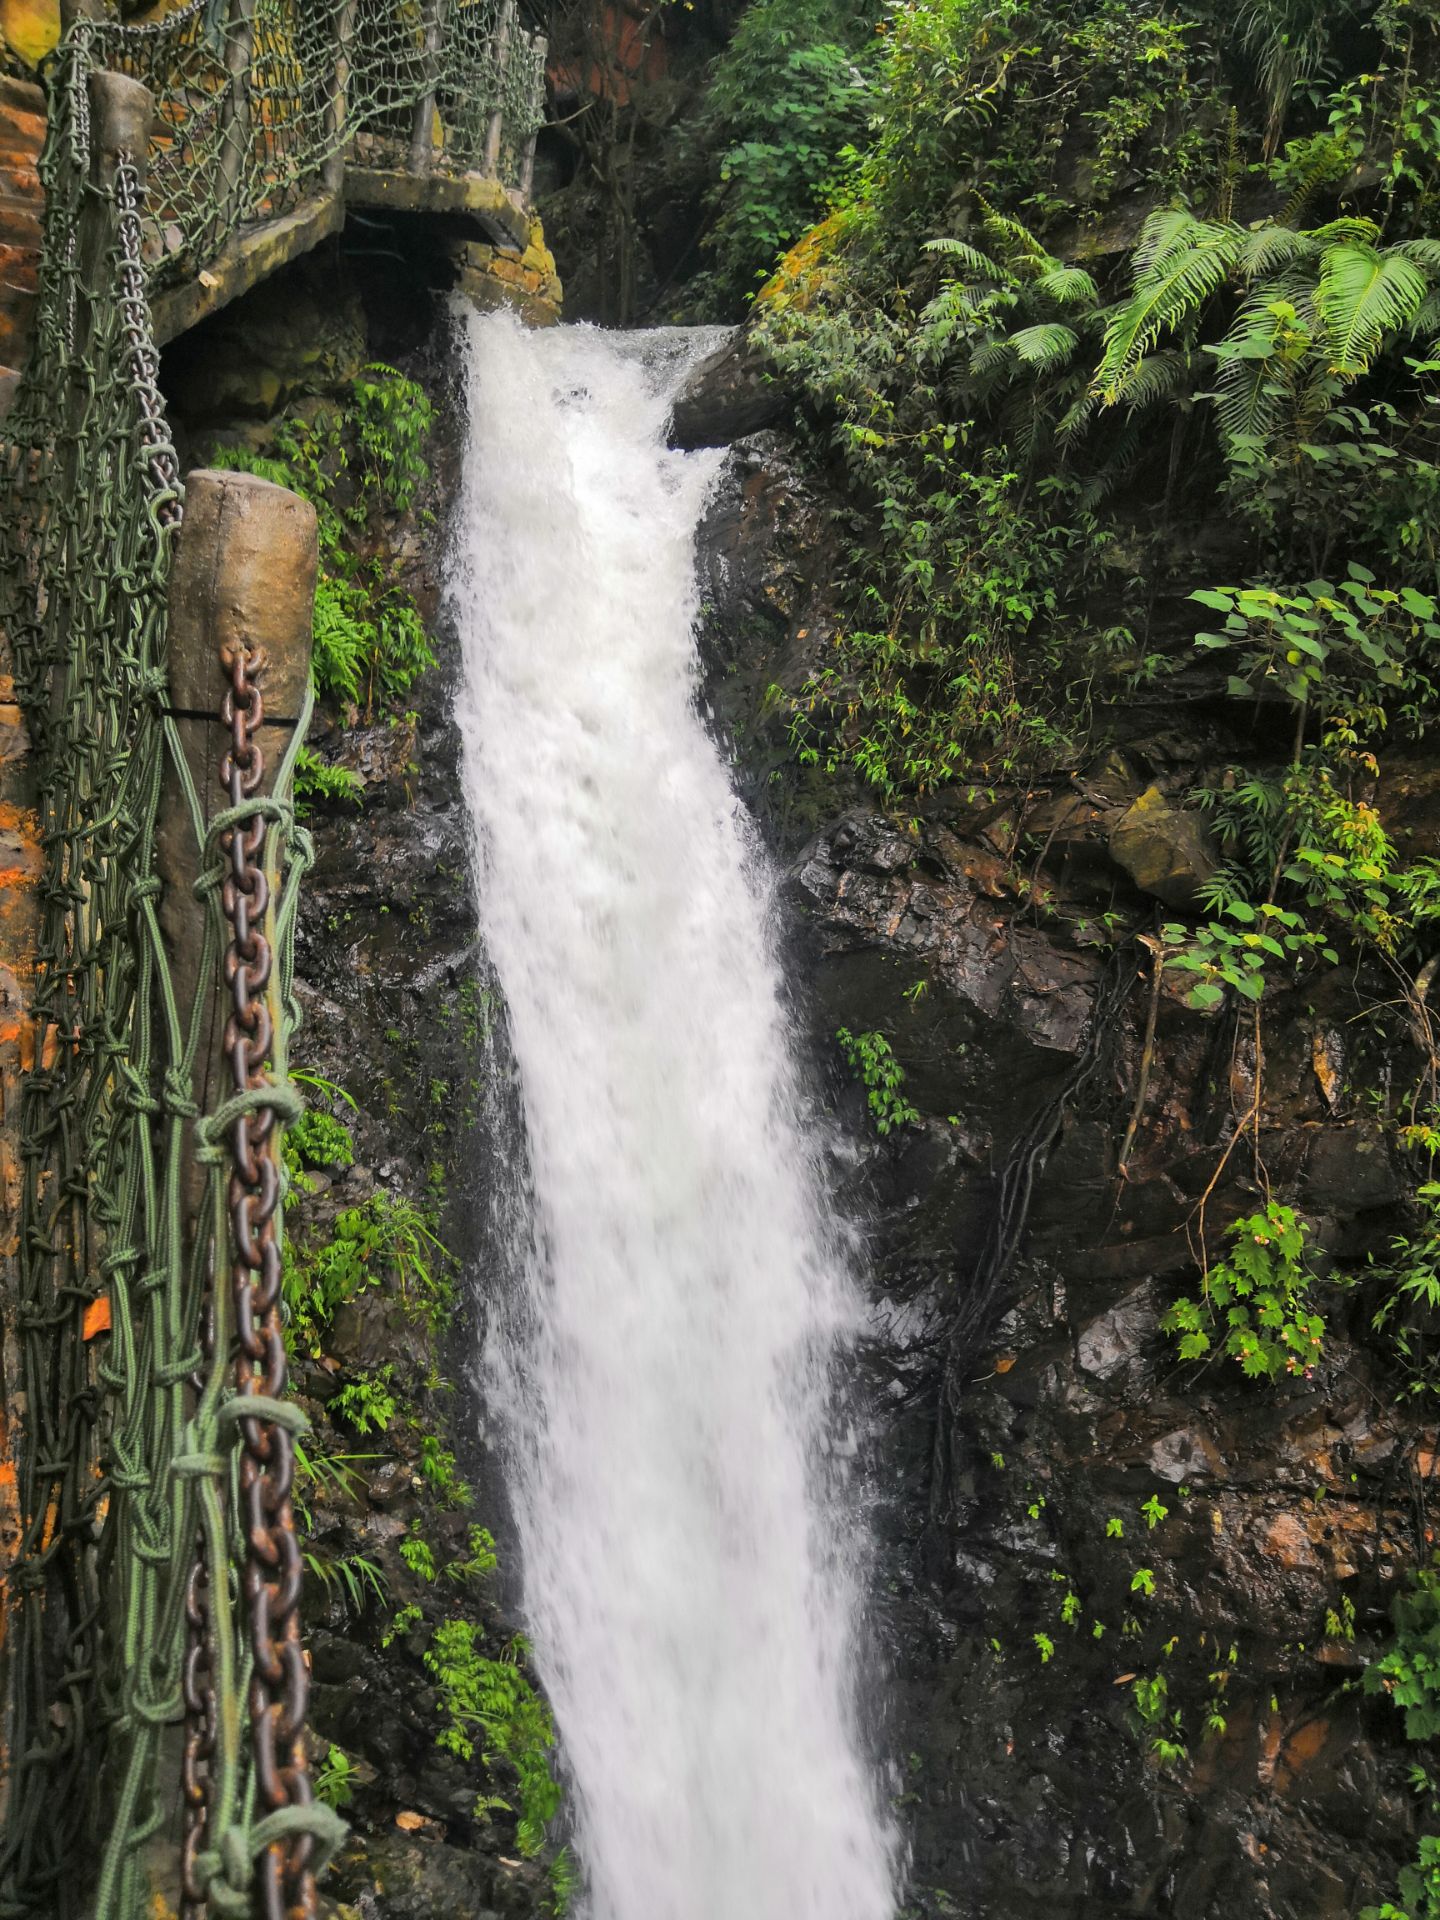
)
(690, 1578)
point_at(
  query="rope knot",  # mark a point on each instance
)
(176, 1095)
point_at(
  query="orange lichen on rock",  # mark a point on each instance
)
(805, 269)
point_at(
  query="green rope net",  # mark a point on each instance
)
(126, 1460)
(253, 99)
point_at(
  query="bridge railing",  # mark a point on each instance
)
(260, 102)
(150, 1607)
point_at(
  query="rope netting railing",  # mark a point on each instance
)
(255, 98)
(154, 1594)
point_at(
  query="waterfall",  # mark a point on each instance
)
(691, 1567)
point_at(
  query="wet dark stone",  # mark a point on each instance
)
(1030, 1785)
(728, 395)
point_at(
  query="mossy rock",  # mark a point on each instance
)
(1165, 851)
(30, 28)
(301, 333)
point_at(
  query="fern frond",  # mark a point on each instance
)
(1350, 226)
(1068, 286)
(994, 357)
(958, 304)
(1022, 418)
(1165, 230)
(1326, 167)
(1426, 323)
(1046, 347)
(1264, 249)
(1178, 282)
(1159, 376)
(1249, 396)
(1362, 297)
(1424, 252)
(967, 256)
(1011, 238)
(1077, 416)
(1122, 453)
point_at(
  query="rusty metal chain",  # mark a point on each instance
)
(198, 1693)
(280, 1681)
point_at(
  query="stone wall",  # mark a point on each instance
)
(22, 203)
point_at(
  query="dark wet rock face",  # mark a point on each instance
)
(1114, 1592)
(728, 396)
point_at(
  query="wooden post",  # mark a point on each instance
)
(339, 135)
(535, 49)
(245, 566)
(122, 112)
(422, 127)
(503, 35)
(235, 138)
(245, 563)
(527, 166)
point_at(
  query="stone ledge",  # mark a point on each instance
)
(255, 253)
(498, 213)
(252, 256)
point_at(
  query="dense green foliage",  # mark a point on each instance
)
(871, 1059)
(491, 1703)
(1409, 1675)
(788, 96)
(385, 1253)
(1095, 274)
(1002, 374)
(385, 1242)
(1260, 1293)
(358, 464)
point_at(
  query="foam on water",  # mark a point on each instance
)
(691, 1575)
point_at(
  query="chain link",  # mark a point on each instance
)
(198, 1687)
(280, 1682)
(141, 354)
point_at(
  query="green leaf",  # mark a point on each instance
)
(1047, 347)
(1181, 261)
(1362, 297)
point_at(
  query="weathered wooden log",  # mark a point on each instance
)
(235, 146)
(333, 174)
(505, 33)
(422, 127)
(245, 566)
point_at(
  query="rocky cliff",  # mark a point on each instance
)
(1125, 1601)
